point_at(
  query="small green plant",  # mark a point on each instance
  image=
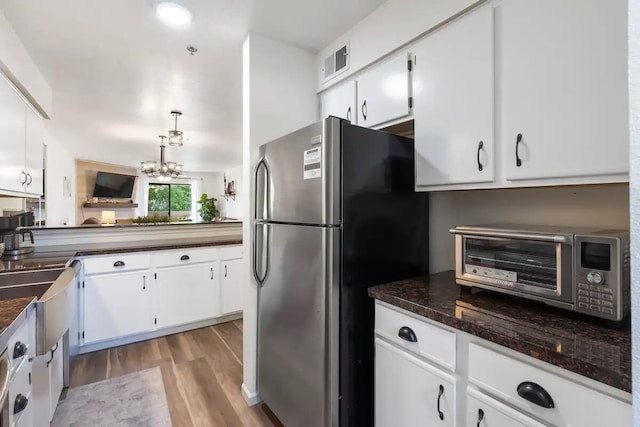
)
(208, 210)
(152, 219)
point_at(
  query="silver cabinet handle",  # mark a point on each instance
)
(211, 273)
(29, 179)
(23, 178)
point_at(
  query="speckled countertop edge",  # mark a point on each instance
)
(620, 379)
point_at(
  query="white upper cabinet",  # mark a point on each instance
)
(563, 73)
(454, 104)
(34, 153)
(340, 101)
(383, 92)
(21, 162)
(12, 129)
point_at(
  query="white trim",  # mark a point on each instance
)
(252, 399)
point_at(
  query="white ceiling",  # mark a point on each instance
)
(116, 71)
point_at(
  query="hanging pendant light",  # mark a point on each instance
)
(163, 170)
(175, 135)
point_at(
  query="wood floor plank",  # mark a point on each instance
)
(201, 371)
(89, 368)
(229, 333)
(208, 403)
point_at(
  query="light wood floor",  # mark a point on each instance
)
(201, 369)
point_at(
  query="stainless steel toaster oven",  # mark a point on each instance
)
(582, 270)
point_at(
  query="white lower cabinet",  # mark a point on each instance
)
(231, 279)
(483, 411)
(410, 392)
(48, 381)
(186, 294)
(497, 387)
(116, 305)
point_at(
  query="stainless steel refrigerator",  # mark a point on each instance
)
(335, 212)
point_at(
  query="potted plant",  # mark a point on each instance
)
(208, 210)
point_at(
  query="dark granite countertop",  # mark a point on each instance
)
(37, 261)
(117, 226)
(10, 312)
(564, 339)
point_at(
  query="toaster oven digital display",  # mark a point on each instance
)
(596, 256)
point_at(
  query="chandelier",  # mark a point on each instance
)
(164, 170)
(175, 135)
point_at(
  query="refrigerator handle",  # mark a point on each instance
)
(265, 202)
(258, 250)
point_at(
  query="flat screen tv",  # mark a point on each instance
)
(114, 186)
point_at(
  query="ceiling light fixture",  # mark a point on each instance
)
(164, 170)
(173, 15)
(175, 135)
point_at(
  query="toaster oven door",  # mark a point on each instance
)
(537, 269)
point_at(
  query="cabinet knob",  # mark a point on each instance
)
(518, 159)
(440, 393)
(20, 404)
(19, 350)
(535, 393)
(480, 417)
(407, 334)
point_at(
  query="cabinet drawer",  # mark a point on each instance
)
(20, 388)
(116, 263)
(184, 257)
(501, 375)
(18, 343)
(231, 252)
(432, 342)
(484, 411)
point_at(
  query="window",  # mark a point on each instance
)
(172, 200)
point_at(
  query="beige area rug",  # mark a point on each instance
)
(136, 399)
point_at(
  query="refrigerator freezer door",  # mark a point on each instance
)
(298, 325)
(298, 176)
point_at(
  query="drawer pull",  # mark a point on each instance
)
(19, 350)
(407, 334)
(535, 394)
(118, 264)
(440, 393)
(480, 417)
(184, 258)
(20, 404)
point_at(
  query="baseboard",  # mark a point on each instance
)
(251, 398)
(89, 348)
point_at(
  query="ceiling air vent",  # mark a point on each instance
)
(336, 63)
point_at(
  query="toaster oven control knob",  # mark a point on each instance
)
(595, 278)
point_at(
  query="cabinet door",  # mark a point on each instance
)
(410, 392)
(116, 305)
(340, 101)
(34, 153)
(383, 92)
(564, 88)
(453, 103)
(483, 411)
(12, 143)
(186, 294)
(56, 378)
(231, 285)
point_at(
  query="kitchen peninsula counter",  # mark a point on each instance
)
(564, 339)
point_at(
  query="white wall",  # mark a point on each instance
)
(394, 24)
(18, 66)
(60, 165)
(634, 97)
(588, 206)
(278, 98)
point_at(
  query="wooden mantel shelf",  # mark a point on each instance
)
(110, 205)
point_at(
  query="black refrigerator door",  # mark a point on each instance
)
(385, 238)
